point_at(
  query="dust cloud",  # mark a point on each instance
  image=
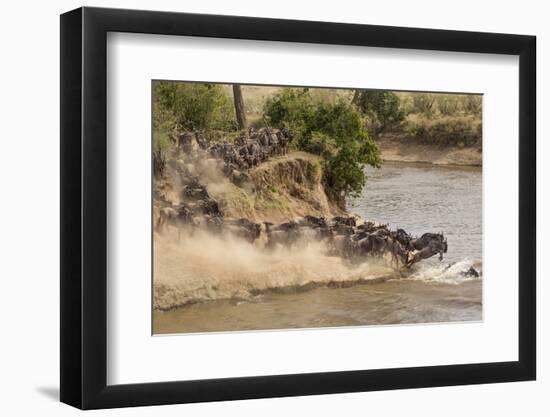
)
(201, 266)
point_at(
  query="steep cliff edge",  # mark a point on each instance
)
(280, 189)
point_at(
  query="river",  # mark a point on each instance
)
(416, 197)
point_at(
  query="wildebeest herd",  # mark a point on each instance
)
(197, 208)
(348, 238)
(344, 236)
(251, 150)
(246, 152)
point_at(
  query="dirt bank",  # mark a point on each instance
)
(402, 150)
(282, 188)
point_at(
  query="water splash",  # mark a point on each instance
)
(446, 273)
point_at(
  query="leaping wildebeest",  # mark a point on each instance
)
(427, 245)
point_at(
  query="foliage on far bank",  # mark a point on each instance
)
(427, 118)
(442, 119)
(460, 131)
(382, 108)
(431, 105)
(336, 131)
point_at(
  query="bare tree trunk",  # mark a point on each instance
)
(239, 108)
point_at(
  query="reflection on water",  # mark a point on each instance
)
(415, 197)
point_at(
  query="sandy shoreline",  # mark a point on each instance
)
(400, 151)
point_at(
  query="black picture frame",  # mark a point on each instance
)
(84, 207)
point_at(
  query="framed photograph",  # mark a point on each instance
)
(259, 208)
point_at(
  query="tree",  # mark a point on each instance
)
(334, 131)
(382, 107)
(239, 108)
(193, 106)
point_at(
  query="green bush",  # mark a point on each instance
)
(448, 104)
(473, 105)
(335, 131)
(439, 104)
(291, 108)
(445, 130)
(424, 103)
(196, 106)
(320, 144)
(163, 128)
(383, 108)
